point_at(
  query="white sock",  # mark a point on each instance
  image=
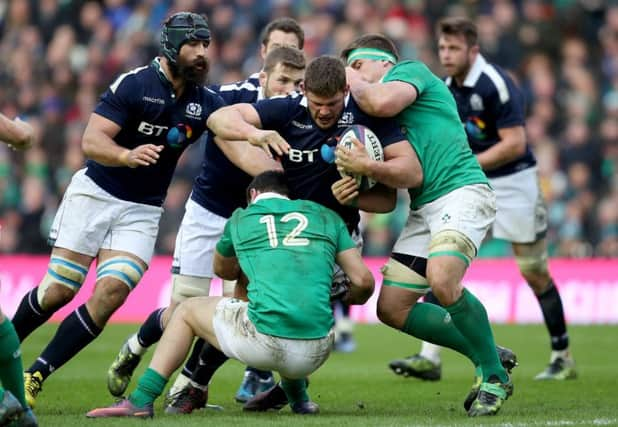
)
(563, 354)
(180, 383)
(197, 385)
(135, 346)
(431, 351)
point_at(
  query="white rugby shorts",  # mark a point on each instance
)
(469, 210)
(240, 340)
(90, 219)
(521, 215)
(196, 241)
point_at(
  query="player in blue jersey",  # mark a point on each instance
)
(295, 128)
(491, 107)
(18, 135)
(218, 190)
(111, 209)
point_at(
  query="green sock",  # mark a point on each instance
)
(11, 368)
(149, 387)
(470, 317)
(295, 390)
(433, 323)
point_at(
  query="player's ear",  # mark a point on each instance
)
(263, 77)
(302, 87)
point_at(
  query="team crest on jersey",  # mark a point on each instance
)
(194, 110)
(346, 119)
(476, 102)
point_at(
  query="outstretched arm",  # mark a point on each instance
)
(241, 122)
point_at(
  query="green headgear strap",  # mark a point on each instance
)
(370, 53)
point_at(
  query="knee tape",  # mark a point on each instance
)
(452, 243)
(64, 272)
(397, 274)
(534, 260)
(184, 287)
(228, 288)
(125, 269)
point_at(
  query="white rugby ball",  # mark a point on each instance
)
(372, 146)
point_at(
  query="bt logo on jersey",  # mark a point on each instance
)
(298, 156)
(150, 129)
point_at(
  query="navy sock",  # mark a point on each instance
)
(29, 315)
(74, 333)
(151, 330)
(551, 305)
(210, 359)
(191, 363)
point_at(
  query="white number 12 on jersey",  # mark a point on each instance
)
(291, 239)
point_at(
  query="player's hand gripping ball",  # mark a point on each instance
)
(373, 149)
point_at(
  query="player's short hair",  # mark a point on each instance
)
(285, 25)
(275, 181)
(287, 56)
(325, 76)
(373, 41)
(458, 26)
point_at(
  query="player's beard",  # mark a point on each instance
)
(194, 72)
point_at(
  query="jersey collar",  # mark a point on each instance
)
(473, 74)
(269, 195)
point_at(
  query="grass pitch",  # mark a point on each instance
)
(358, 389)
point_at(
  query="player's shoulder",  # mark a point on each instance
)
(133, 79)
(491, 79)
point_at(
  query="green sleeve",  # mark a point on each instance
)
(413, 72)
(225, 245)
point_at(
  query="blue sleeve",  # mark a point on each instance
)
(118, 102)
(275, 113)
(508, 112)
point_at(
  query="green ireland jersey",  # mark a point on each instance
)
(287, 250)
(433, 127)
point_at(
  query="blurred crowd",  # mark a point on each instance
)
(58, 56)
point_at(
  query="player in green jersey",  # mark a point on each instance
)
(287, 250)
(18, 135)
(450, 213)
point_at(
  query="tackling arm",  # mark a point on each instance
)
(383, 99)
(361, 280)
(226, 267)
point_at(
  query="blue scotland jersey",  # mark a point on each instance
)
(487, 101)
(220, 187)
(143, 104)
(310, 177)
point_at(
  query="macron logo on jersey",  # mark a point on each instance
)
(301, 125)
(153, 100)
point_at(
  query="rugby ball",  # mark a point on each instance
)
(372, 146)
